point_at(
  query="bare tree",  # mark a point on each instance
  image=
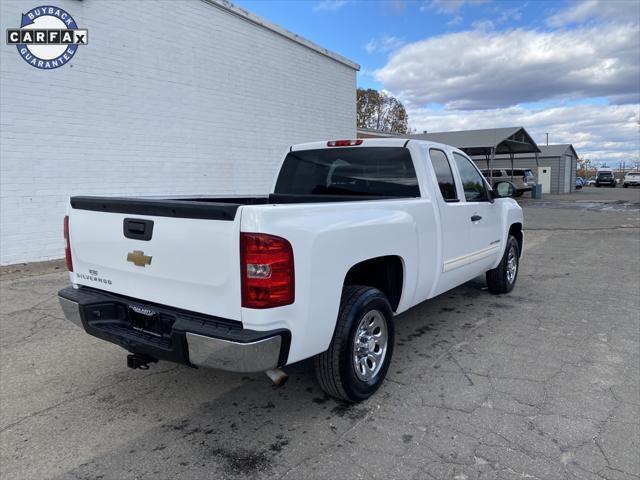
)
(380, 111)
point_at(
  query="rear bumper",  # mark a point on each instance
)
(186, 337)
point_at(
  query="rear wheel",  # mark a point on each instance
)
(357, 360)
(503, 278)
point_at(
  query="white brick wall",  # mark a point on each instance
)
(169, 97)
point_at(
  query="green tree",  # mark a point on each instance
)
(380, 111)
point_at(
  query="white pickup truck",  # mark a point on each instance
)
(356, 232)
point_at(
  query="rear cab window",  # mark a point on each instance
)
(444, 175)
(358, 171)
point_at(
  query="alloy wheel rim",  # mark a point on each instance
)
(370, 345)
(512, 265)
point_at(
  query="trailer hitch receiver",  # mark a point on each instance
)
(140, 360)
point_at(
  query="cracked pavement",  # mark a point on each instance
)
(543, 383)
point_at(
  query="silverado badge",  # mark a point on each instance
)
(138, 258)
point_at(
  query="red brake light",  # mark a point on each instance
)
(344, 143)
(266, 270)
(67, 244)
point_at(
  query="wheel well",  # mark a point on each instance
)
(516, 230)
(384, 273)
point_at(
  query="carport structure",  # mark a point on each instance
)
(487, 143)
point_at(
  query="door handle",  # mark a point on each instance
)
(476, 218)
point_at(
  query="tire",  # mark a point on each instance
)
(598, 185)
(624, 185)
(613, 185)
(503, 278)
(336, 368)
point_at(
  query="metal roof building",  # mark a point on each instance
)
(487, 142)
(507, 148)
(555, 170)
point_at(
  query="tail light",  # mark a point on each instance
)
(266, 269)
(67, 244)
(344, 143)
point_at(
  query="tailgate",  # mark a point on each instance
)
(191, 260)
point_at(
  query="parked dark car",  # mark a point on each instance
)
(605, 177)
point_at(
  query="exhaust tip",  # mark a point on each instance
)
(277, 376)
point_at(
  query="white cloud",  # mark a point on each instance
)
(486, 69)
(455, 21)
(329, 5)
(585, 10)
(599, 132)
(482, 25)
(449, 7)
(384, 44)
(510, 14)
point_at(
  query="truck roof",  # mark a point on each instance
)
(370, 142)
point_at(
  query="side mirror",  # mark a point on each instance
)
(504, 189)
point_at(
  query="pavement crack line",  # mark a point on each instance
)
(329, 445)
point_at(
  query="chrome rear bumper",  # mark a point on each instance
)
(188, 342)
(233, 356)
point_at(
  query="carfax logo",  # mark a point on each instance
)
(48, 37)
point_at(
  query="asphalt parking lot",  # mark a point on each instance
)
(543, 383)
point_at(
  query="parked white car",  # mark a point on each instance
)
(356, 232)
(631, 179)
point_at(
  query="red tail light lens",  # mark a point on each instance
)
(67, 244)
(344, 143)
(266, 269)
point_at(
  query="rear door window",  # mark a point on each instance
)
(364, 171)
(444, 176)
(472, 182)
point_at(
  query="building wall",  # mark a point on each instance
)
(177, 98)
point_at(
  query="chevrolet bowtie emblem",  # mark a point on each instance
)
(138, 258)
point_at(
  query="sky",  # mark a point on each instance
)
(567, 68)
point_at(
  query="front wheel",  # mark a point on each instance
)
(358, 358)
(503, 278)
